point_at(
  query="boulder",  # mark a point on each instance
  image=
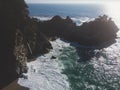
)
(53, 57)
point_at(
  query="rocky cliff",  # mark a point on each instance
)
(19, 39)
(10, 18)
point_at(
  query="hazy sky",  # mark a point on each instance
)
(69, 1)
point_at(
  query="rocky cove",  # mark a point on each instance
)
(24, 38)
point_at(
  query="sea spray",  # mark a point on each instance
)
(77, 20)
(101, 72)
(45, 73)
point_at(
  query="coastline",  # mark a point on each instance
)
(15, 86)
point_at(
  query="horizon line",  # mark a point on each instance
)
(76, 2)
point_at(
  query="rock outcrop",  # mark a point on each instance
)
(36, 41)
(100, 32)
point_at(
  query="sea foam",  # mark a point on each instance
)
(77, 20)
(45, 73)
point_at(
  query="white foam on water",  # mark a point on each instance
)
(112, 54)
(77, 20)
(80, 20)
(45, 73)
(109, 62)
(42, 18)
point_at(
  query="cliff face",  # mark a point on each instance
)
(19, 40)
(11, 16)
(36, 41)
(20, 52)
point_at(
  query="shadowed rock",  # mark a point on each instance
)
(99, 33)
(19, 40)
(53, 57)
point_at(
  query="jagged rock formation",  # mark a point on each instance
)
(101, 32)
(57, 27)
(37, 42)
(98, 32)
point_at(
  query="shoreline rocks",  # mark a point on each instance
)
(100, 32)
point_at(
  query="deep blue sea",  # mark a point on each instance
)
(72, 10)
(73, 68)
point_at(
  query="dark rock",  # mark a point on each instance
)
(37, 42)
(19, 40)
(11, 18)
(53, 57)
(20, 53)
(60, 50)
(57, 27)
(98, 33)
(23, 76)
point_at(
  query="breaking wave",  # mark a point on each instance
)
(45, 73)
(77, 20)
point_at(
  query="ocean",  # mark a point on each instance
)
(72, 10)
(72, 69)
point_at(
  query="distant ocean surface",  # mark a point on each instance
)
(72, 10)
(70, 70)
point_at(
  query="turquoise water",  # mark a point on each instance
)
(101, 72)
